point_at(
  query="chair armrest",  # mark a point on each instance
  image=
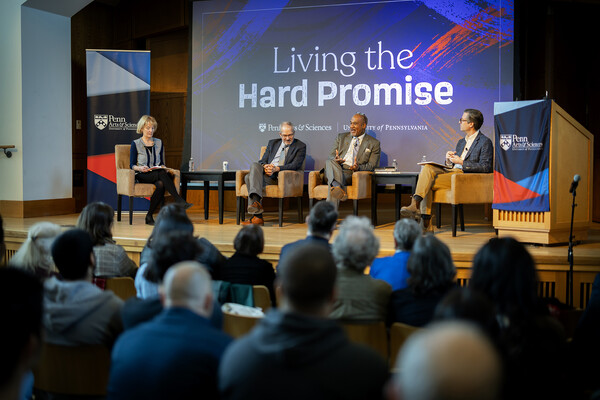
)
(361, 183)
(314, 180)
(125, 182)
(176, 178)
(472, 188)
(291, 183)
(239, 181)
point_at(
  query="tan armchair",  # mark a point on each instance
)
(126, 184)
(289, 184)
(472, 188)
(360, 188)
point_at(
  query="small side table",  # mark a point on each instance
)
(398, 179)
(208, 175)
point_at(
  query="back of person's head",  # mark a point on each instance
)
(322, 219)
(72, 252)
(306, 276)
(448, 361)
(188, 284)
(2, 245)
(21, 298)
(175, 218)
(35, 251)
(504, 270)
(169, 249)
(406, 231)
(430, 266)
(96, 219)
(250, 240)
(356, 246)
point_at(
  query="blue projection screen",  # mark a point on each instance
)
(411, 66)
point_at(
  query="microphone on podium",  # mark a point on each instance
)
(575, 182)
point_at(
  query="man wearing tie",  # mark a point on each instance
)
(281, 154)
(352, 151)
(474, 153)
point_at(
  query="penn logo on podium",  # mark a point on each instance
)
(101, 121)
(505, 142)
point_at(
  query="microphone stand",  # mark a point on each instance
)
(570, 255)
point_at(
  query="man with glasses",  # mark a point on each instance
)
(286, 153)
(474, 153)
(352, 151)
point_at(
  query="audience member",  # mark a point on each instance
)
(432, 274)
(177, 354)
(448, 360)
(393, 269)
(168, 249)
(2, 245)
(21, 333)
(34, 254)
(295, 351)
(78, 312)
(359, 297)
(533, 343)
(244, 266)
(111, 259)
(321, 224)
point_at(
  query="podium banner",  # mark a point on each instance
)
(521, 171)
(118, 93)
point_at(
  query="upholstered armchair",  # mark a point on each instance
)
(360, 188)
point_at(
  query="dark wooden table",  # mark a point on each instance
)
(398, 179)
(208, 175)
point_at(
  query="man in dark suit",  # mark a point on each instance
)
(282, 154)
(321, 223)
(352, 151)
(474, 153)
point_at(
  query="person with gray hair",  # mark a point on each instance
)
(178, 352)
(360, 297)
(285, 153)
(447, 361)
(393, 269)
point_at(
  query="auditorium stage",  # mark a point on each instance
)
(551, 260)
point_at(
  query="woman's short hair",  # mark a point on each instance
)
(430, 266)
(356, 246)
(144, 120)
(35, 251)
(96, 219)
(250, 240)
(406, 231)
(169, 249)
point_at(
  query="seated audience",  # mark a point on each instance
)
(393, 269)
(533, 343)
(359, 297)
(78, 312)
(295, 351)
(34, 254)
(432, 274)
(168, 249)
(447, 360)
(244, 266)
(321, 224)
(111, 259)
(21, 333)
(177, 354)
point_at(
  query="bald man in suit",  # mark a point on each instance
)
(352, 151)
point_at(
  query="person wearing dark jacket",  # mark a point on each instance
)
(296, 351)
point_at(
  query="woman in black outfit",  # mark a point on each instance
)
(147, 159)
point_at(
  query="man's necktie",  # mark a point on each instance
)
(283, 155)
(355, 150)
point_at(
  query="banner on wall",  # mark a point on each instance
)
(118, 94)
(521, 172)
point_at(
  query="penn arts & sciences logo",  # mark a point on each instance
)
(113, 123)
(262, 127)
(518, 143)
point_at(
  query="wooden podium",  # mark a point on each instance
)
(571, 153)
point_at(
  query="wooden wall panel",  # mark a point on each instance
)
(169, 111)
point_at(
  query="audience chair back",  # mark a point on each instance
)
(262, 297)
(374, 335)
(73, 370)
(238, 325)
(123, 287)
(399, 333)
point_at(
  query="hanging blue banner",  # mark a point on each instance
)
(118, 93)
(521, 172)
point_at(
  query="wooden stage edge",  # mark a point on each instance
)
(551, 261)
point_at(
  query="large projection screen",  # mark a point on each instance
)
(411, 66)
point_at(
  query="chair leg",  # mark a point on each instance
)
(119, 199)
(281, 212)
(461, 213)
(244, 208)
(130, 210)
(355, 204)
(439, 215)
(238, 209)
(454, 218)
(300, 216)
(310, 204)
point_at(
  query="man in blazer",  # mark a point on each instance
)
(474, 153)
(352, 151)
(281, 154)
